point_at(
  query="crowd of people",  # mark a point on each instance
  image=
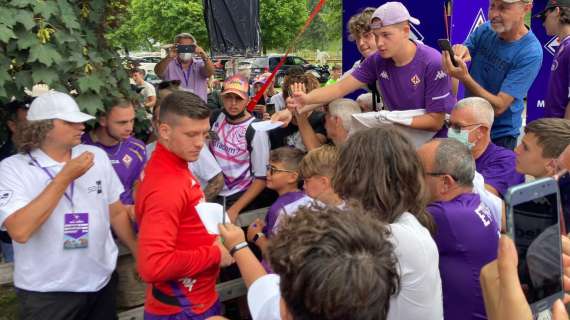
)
(362, 221)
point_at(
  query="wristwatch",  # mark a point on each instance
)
(257, 236)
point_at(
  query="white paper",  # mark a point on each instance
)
(211, 215)
(266, 125)
(376, 119)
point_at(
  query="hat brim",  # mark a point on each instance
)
(379, 24)
(235, 91)
(73, 117)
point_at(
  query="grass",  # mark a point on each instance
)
(8, 305)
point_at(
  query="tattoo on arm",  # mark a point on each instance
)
(214, 187)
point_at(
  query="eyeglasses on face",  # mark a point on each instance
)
(458, 127)
(439, 174)
(273, 170)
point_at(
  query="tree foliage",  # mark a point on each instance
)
(280, 21)
(61, 43)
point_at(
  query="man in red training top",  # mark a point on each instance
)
(179, 260)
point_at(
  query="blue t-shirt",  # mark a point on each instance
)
(509, 67)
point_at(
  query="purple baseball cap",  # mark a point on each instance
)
(391, 13)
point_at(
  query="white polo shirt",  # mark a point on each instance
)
(42, 264)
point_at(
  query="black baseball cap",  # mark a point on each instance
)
(552, 4)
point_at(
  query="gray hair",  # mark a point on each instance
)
(454, 158)
(480, 108)
(184, 35)
(344, 109)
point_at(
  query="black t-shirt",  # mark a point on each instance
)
(290, 136)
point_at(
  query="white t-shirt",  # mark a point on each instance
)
(203, 169)
(240, 167)
(492, 201)
(42, 264)
(278, 101)
(148, 90)
(263, 297)
(420, 295)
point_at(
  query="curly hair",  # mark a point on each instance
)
(359, 23)
(31, 134)
(335, 264)
(380, 168)
(311, 83)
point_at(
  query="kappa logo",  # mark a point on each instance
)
(416, 80)
(440, 75)
(551, 45)
(384, 75)
(5, 196)
(479, 20)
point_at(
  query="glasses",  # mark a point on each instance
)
(439, 174)
(457, 127)
(273, 170)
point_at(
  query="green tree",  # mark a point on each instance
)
(280, 21)
(160, 21)
(326, 27)
(61, 43)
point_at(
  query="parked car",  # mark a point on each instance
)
(267, 64)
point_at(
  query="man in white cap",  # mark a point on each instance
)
(58, 200)
(409, 73)
(505, 59)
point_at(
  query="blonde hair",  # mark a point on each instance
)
(319, 162)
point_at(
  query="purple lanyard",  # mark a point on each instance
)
(70, 196)
(186, 75)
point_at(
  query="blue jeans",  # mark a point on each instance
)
(7, 251)
(508, 142)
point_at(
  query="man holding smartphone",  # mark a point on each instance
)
(181, 64)
(505, 59)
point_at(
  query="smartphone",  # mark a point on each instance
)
(270, 108)
(445, 45)
(564, 187)
(191, 48)
(533, 222)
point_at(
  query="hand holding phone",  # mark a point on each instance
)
(533, 220)
(445, 45)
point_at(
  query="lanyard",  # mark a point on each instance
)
(68, 197)
(186, 75)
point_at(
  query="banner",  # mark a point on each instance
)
(537, 93)
(233, 27)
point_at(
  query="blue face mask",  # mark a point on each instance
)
(461, 136)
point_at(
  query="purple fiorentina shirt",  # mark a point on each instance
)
(128, 159)
(193, 79)
(421, 84)
(557, 95)
(498, 166)
(467, 238)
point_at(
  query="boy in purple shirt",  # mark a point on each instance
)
(283, 177)
(127, 154)
(192, 73)
(409, 73)
(556, 20)
(470, 123)
(467, 234)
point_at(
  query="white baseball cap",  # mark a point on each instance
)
(56, 105)
(391, 13)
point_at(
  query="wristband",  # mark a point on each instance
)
(238, 247)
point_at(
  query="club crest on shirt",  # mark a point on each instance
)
(127, 160)
(416, 80)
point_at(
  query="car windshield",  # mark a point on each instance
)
(259, 63)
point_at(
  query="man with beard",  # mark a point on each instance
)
(241, 152)
(505, 59)
(182, 64)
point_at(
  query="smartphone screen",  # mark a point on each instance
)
(564, 185)
(445, 45)
(537, 238)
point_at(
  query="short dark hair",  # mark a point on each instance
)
(334, 264)
(117, 102)
(137, 70)
(182, 104)
(552, 135)
(290, 157)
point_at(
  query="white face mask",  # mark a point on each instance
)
(185, 57)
